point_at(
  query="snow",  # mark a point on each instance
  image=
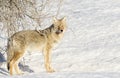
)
(90, 47)
(68, 75)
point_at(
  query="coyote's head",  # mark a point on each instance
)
(59, 25)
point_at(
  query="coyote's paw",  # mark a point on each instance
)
(20, 73)
(51, 71)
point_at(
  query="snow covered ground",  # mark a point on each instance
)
(90, 47)
(67, 75)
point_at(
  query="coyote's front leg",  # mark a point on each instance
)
(47, 59)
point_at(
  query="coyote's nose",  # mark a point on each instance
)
(59, 31)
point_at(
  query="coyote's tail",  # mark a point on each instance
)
(8, 66)
(10, 52)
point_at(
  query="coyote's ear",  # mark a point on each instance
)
(55, 19)
(64, 19)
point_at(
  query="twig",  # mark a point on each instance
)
(59, 7)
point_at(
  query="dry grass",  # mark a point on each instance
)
(17, 15)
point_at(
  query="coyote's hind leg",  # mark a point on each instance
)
(14, 62)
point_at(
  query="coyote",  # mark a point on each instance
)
(34, 40)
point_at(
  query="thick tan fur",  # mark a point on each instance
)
(34, 40)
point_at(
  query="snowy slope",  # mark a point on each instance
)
(91, 43)
(68, 75)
